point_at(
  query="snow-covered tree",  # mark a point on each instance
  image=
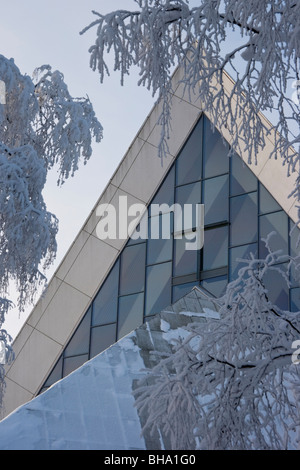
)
(256, 41)
(41, 126)
(232, 383)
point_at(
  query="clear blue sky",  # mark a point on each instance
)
(36, 32)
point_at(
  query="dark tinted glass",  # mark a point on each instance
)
(160, 249)
(215, 152)
(165, 194)
(56, 373)
(189, 162)
(182, 289)
(130, 313)
(242, 179)
(101, 338)
(215, 285)
(79, 343)
(189, 194)
(215, 193)
(277, 288)
(132, 269)
(278, 223)
(105, 305)
(158, 287)
(266, 201)
(295, 300)
(215, 249)
(243, 219)
(240, 252)
(72, 363)
(185, 261)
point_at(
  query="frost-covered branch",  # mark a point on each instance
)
(264, 62)
(231, 381)
(41, 125)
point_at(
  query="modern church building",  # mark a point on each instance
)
(112, 300)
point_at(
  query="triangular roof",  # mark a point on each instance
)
(93, 407)
(88, 261)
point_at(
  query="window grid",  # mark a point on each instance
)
(198, 276)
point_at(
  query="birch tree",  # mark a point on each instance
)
(263, 62)
(41, 127)
(233, 382)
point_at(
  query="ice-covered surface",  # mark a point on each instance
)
(93, 408)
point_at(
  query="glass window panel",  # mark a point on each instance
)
(215, 195)
(80, 341)
(243, 219)
(294, 252)
(105, 304)
(131, 309)
(216, 285)
(188, 194)
(295, 299)
(276, 222)
(189, 162)
(215, 152)
(215, 249)
(240, 252)
(132, 269)
(266, 202)
(182, 289)
(294, 239)
(102, 337)
(56, 374)
(242, 180)
(139, 234)
(185, 261)
(277, 288)
(158, 287)
(160, 249)
(165, 194)
(73, 363)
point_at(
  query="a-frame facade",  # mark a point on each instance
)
(105, 288)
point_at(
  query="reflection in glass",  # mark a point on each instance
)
(189, 194)
(278, 223)
(243, 211)
(242, 180)
(240, 252)
(79, 343)
(215, 285)
(215, 192)
(56, 373)
(132, 269)
(101, 338)
(189, 162)
(185, 261)
(215, 152)
(158, 287)
(182, 289)
(165, 194)
(105, 304)
(215, 249)
(266, 202)
(159, 248)
(295, 300)
(130, 313)
(277, 287)
(72, 363)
